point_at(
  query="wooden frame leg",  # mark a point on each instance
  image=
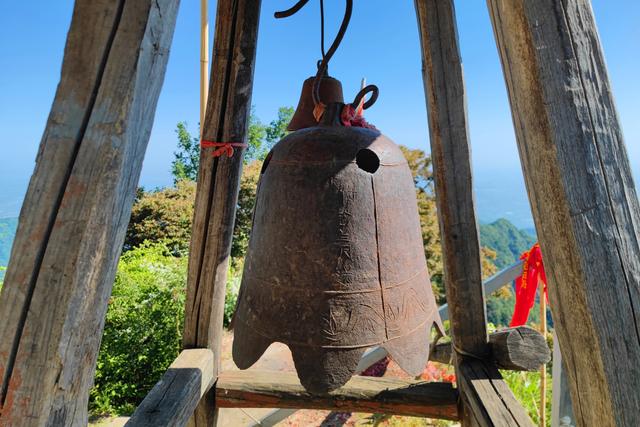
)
(582, 196)
(77, 207)
(226, 120)
(485, 398)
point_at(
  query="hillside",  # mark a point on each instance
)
(507, 240)
(7, 231)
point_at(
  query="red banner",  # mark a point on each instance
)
(527, 285)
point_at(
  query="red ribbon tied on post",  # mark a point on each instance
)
(222, 147)
(527, 285)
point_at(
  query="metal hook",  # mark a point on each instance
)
(334, 46)
(374, 96)
(296, 7)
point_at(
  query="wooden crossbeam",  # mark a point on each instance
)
(173, 399)
(265, 389)
(517, 349)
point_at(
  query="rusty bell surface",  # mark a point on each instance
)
(336, 262)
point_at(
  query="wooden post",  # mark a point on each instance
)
(582, 195)
(450, 151)
(226, 120)
(77, 207)
(204, 59)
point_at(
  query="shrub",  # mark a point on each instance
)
(143, 328)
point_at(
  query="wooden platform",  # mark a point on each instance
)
(267, 389)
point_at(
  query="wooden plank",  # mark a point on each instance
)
(517, 349)
(264, 389)
(450, 151)
(77, 207)
(173, 399)
(226, 120)
(582, 195)
(489, 399)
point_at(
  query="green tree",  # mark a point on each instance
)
(163, 216)
(420, 165)
(255, 140)
(277, 129)
(508, 242)
(244, 210)
(187, 157)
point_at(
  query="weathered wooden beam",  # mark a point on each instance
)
(173, 399)
(489, 399)
(226, 120)
(517, 349)
(582, 195)
(450, 151)
(77, 207)
(263, 389)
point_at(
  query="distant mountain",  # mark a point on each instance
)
(7, 232)
(507, 240)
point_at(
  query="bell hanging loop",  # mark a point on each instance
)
(324, 65)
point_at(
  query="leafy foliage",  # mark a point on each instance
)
(508, 242)
(163, 216)
(244, 211)
(143, 327)
(187, 158)
(420, 165)
(277, 129)
(7, 232)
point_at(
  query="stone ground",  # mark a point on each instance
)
(278, 358)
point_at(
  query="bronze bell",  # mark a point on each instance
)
(330, 91)
(336, 261)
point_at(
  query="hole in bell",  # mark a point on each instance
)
(367, 160)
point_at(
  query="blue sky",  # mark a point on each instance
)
(381, 44)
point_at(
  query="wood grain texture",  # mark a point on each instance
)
(517, 349)
(451, 154)
(226, 120)
(77, 207)
(582, 195)
(264, 389)
(173, 399)
(450, 151)
(489, 400)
